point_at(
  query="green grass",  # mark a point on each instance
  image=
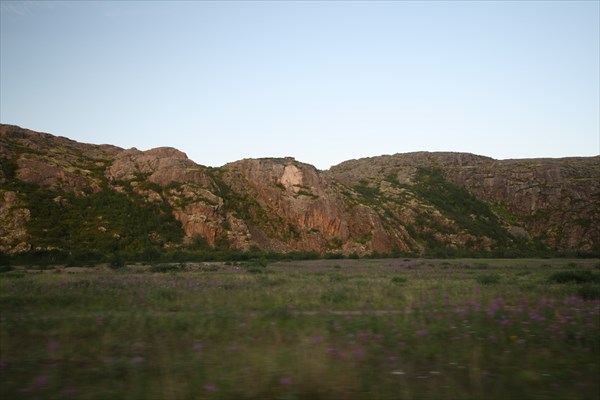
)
(351, 329)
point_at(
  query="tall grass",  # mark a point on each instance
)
(357, 329)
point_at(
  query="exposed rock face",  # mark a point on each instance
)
(291, 207)
(402, 166)
(53, 162)
(162, 165)
(46, 173)
(409, 203)
(555, 200)
(198, 210)
(291, 178)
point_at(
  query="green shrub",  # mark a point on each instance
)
(335, 277)
(5, 268)
(589, 292)
(260, 262)
(366, 191)
(100, 223)
(458, 204)
(399, 279)
(334, 296)
(488, 279)
(574, 277)
(116, 261)
(4, 260)
(164, 268)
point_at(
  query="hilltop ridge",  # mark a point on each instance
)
(61, 195)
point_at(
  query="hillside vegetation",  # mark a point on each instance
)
(64, 200)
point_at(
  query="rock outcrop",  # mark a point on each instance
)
(554, 200)
(162, 166)
(405, 203)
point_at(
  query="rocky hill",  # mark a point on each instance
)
(58, 195)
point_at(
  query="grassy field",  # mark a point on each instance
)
(321, 329)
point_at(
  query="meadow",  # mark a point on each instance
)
(318, 329)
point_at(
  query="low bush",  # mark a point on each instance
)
(162, 268)
(334, 296)
(399, 279)
(5, 268)
(116, 261)
(4, 259)
(488, 279)
(574, 277)
(589, 292)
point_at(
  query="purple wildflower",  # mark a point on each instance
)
(137, 360)
(53, 345)
(40, 380)
(358, 352)
(286, 380)
(492, 309)
(209, 387)
(234, 347)
(70, 390)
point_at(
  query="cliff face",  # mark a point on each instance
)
(60, 194)
(556, 201)
(290, 206)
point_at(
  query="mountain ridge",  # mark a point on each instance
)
(436, 203)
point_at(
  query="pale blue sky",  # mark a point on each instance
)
(321, 81)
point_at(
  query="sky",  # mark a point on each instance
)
(321, 81)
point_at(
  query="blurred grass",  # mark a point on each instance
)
(352, 329)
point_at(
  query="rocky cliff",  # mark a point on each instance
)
(57, 194)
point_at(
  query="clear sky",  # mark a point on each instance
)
(320, 81)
